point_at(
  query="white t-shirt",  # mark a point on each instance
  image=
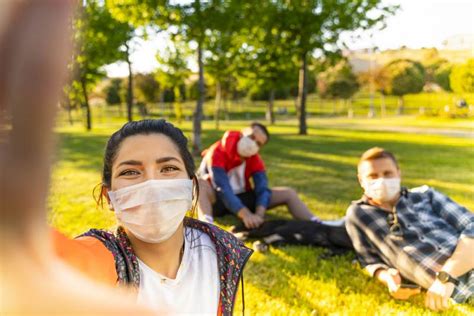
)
(196, 287)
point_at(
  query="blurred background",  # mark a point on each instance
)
(226, 60)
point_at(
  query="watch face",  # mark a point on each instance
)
(443, 276)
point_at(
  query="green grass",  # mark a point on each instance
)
(321, 166)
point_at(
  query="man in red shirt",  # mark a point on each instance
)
(225, 173)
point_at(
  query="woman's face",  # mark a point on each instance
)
(146, 157)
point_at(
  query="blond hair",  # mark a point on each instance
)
(377, 153)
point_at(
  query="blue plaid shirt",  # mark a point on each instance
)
(431, 225)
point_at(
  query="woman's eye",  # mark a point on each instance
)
(129, 173)
(169, 169)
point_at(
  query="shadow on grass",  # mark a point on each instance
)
(283, 269)
(332, 179)
(275, 271)
(84, 151)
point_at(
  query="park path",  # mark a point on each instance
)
(409, 129)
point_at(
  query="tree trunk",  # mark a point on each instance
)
(383, 109)
(270, 113)
(217, 104)
(69, 114)
(401, 105)
(177, 105)
(162, 103)
(297, 108)
(130, 87)
(350, 110)
(86, 104)
(371, 113)
(302, 94)
(67, 101)
(199, 105)
(226, 108)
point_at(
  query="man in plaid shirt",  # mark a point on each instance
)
(419, 235)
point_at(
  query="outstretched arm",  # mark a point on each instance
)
(35, 50)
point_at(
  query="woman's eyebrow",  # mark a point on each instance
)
(138, 163)
(166, 159)
(130, 162)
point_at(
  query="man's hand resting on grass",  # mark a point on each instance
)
(391, 277)
(250, 219)
(437, 297)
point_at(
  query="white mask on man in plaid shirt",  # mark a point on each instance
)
(382, 189)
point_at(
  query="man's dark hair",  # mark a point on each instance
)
(263, 128)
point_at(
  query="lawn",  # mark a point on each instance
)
(321, 167)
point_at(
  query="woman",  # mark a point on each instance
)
(172, 261)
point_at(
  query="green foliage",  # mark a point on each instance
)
(403, 76)
(73, 95)
(147, 88)
(173, 70)
(462, 77)
(100, 39)
(338, 82)
(317, 24)
(267, 59)
(113, 95)
(437, 69)
(381, 80)
(442, 74)
(223, 57)
(192, 87)
(140, 12)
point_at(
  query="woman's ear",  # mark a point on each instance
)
(105, 194)
(195, 187)
(195, 195)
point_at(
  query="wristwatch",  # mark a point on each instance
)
(444, 277)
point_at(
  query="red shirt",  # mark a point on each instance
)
(223, 154)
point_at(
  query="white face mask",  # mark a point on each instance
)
(382, 189)
(247, 147)
(153, 210)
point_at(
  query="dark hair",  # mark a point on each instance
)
(377, 153)
(146, 127)
(263, 128)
